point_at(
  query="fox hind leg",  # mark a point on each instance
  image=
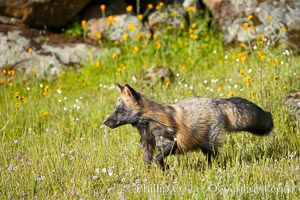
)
(212, 141)
(210, 151)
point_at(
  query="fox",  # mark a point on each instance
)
(190, 124)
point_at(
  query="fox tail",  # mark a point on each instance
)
(243, 115)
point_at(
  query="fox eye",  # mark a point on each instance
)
(120, 109)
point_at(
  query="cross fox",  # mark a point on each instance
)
(190, 124)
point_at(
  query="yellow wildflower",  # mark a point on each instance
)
(241, 54)
(154, 35)
(4, 71)
(144, 45)
(46, 90)
(191, 9)
(193, 36)
(261, 55)
(245, 26)
(117, 42)
(167, 84)
(83, 23)
(102, 7)
(159, 6)
(193, 26)
(96, 64)
(139, 36)
(58, 74)
(125, 37)
(158, 44)
(270, 17)
(253, 94)
(259, 43)
(68, 130)
(131, 27)
(110, 20)
(129, 8)
(181, 70)
(17, 104)
(11, 72)
(262, 37)
(17, 95)
(243, 59)
(98, 35)
(135, 49)
(29, 50)
(140, 17)
(247, 80)
(148, 36)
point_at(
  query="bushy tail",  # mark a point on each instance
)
(243, 115)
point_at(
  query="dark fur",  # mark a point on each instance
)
(190, 124)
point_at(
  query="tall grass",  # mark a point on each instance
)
(54, 144)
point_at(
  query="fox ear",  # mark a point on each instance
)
(119, 87)
(133, 94)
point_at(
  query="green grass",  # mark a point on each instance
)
(54, 144)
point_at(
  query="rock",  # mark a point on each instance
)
(221, 10)
(68, 54)
(157, 75)
(163, 18)
(13, 48)
(115, 27)
(277, 20)
(42, 13)
(42, 57)
(16, 54)
(292, 103)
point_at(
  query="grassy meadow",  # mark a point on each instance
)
(54, 144)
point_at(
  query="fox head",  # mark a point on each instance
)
(127, 109)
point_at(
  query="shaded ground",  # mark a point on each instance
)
(47, 36)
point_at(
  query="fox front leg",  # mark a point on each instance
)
(147, 145)
(147, 142)
(148, 154)
(168, 149)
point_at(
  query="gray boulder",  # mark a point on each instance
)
(41, 13)
(277, 20)
(292, 104)
(42, 59)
